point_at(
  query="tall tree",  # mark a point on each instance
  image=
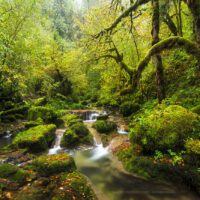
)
(157, 60)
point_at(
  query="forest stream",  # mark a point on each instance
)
(106, 174)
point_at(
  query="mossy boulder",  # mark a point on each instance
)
(48, 115)
(35, 139)
(165, 128)
(103, 126)
(53, 164)
(75, 135)
(128, 108)
(80, 129)
(69, 139)
(14, 173)
(75, 186)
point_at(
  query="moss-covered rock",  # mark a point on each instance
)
(75, 186)
(103, 126)
(48, 115)
(14, 173)
(53, 164)
(69, 139)
(75, 135)
(165, 128)
(80, 129)
(35, 139)
(128, 108)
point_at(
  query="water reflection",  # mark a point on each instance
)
(112, 184)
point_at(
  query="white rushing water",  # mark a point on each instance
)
(56, 148)
(122, 131)
(99, 151)
(92, 116)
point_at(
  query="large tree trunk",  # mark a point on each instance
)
(157, 60)
(194, 6)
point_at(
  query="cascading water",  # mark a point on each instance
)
(99, 151)
(122, 131)
(92, 116)
(56, 148)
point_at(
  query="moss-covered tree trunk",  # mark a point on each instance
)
(157, 60)
(194, 6)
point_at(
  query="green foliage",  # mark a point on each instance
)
(30, 124)
(196, 109)
(165, 128)
(71, 119)
(128, 108)
(35, 139)
(48, 115)
(53, 164)
(103, 126)
(193, 146)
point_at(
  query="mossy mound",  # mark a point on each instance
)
(127, 108)
(14, 173)
(35, 139)
(103, 126)
(165, 128)
(77, 133)
(53, 164)
(75, 186)
(48, 115)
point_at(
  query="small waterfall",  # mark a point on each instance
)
(99, 151)
(8, 135)
(91, 116)
(56, 148)
(122, 131)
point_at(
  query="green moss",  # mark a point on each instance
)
(75, 187)
(75, 135)
(53, 164)
(35, 139)
(40, 101)
(80, 129)
(69, 139)
(48, 115)
(128, 108)
(103, 126)
(13, 173)
(30, 124)
(165, 128)
(193, 146)
(71, 119)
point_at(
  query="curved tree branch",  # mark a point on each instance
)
(169, 43)
(123, 15)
